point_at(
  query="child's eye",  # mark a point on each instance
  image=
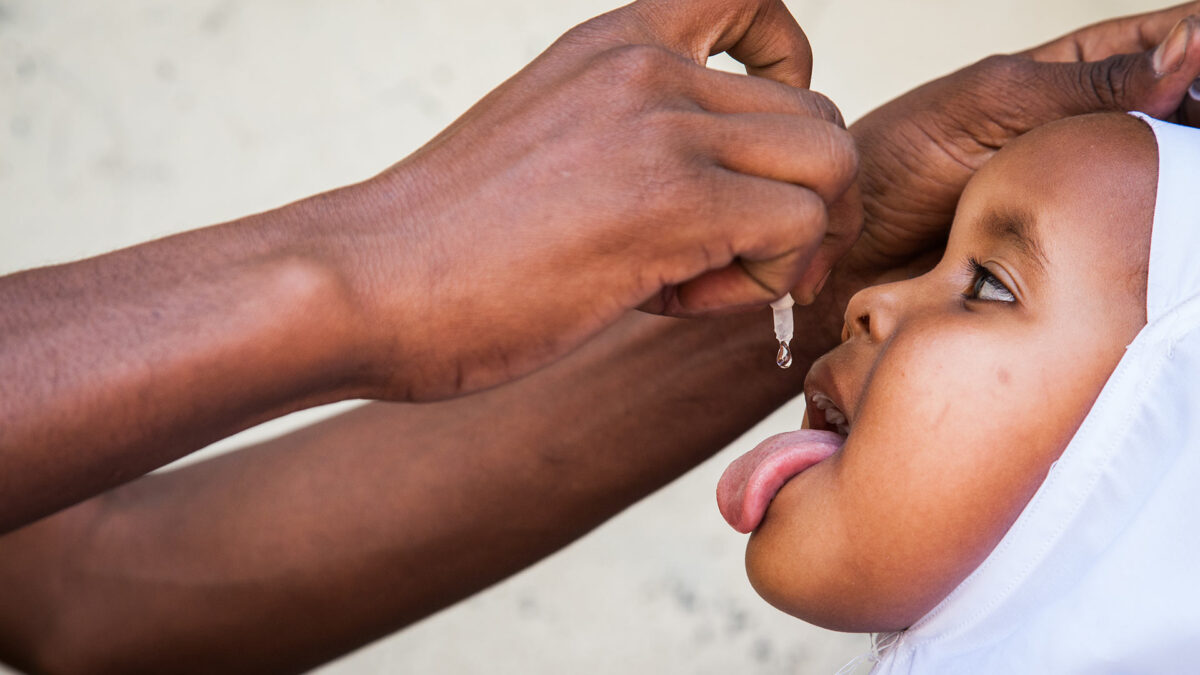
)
(985, 286)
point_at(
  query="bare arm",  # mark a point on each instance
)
(296, 550)
(642, 179)
(114, 365)
(335, 521)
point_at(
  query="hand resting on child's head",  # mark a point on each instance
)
(962, 386)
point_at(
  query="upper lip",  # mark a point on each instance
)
(824, 401)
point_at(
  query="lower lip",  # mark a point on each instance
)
(752, 480)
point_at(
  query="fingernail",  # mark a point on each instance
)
(1194, 90)
(1169, 55)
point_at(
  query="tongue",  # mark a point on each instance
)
(751, 481)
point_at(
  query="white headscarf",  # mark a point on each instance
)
(1101, 571)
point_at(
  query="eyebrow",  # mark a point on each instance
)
(1018, 227)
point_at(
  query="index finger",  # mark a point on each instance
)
(845, 224)
(762, 34)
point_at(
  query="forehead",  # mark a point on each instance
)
(1084, 186)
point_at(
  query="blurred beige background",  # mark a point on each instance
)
(126, 120)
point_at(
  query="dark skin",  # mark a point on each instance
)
(645, 180)
(262, 559)
(919, 150)
(379, 504)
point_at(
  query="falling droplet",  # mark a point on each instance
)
(783, 358)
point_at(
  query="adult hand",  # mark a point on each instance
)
(614, 172)
(919, 150)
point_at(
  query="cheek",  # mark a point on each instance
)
(956, 428)
(959, 418)
(979, 412)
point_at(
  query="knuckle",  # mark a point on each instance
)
(599, 30)
(1105, 83)
(636, 66)
(837, 153)
(1002, 77)
(793, 220)
(579, 36)
(811, 216)
(843, 153)
(1002, 68)
(823, 107)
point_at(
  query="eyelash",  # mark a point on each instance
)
(981, 277)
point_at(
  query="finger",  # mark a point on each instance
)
(772, 46)
(845, 224)
(762, 34)
(1116, 36)
(1154, 82)
(1189, 110)
(774, 230)
(800, 150)
(720, 92)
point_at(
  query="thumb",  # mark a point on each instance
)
(1154, 82)
(761, 34)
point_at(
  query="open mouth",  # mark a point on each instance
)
(749, 485)
(824, 414)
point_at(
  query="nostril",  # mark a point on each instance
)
(859, 326)
(864, 323)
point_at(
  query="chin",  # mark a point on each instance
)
(845, 600)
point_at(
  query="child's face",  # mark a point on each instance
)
(963, 385)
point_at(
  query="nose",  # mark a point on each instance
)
(873, 312)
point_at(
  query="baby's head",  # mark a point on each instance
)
(959, 387)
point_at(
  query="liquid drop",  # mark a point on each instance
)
(783, 358)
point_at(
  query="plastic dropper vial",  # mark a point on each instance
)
(781, 311)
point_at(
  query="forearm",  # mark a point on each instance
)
(115, 365)
(291, 552)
